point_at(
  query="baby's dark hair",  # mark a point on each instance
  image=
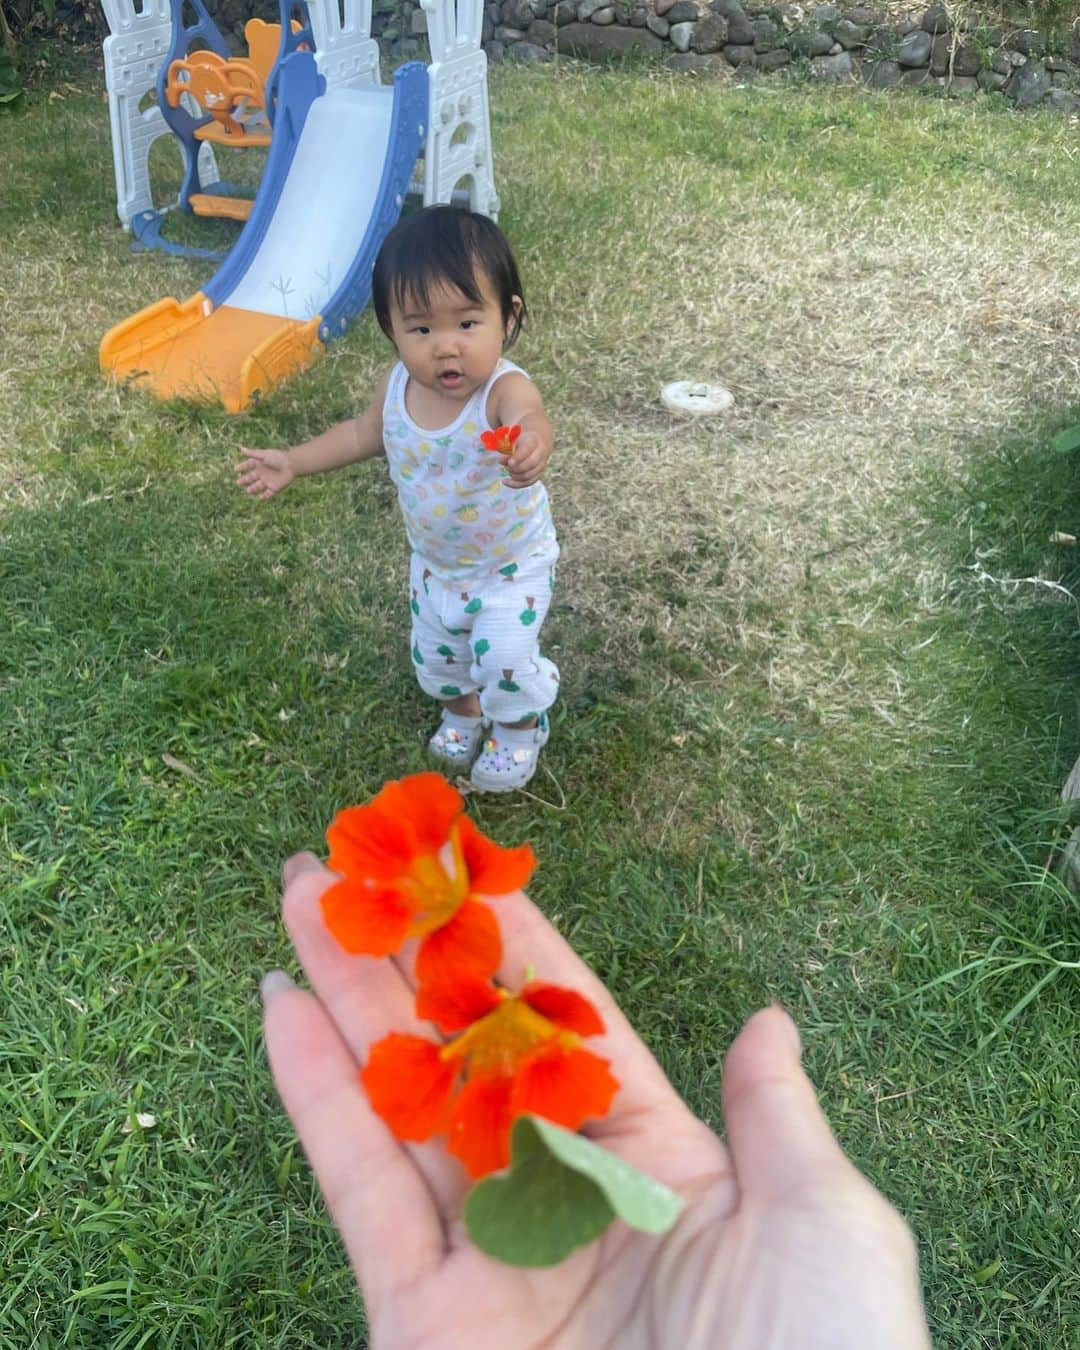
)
(445, 245)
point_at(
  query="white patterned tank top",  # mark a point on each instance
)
(460, 516)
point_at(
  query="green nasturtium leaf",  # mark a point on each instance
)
(1066, 440)
(560, 1192)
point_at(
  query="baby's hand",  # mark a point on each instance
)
(264, 472)
(528, 461)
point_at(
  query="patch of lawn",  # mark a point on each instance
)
(814, 720)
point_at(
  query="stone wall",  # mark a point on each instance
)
(739, 37)
(823, 41)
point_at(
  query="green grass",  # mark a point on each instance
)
(806, 750)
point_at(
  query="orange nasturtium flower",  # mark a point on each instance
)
(413, 865)
(502, 439)
(513, 1055)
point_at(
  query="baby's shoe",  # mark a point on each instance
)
(457, 740)
(508, 759)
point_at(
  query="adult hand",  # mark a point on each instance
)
(528, 461)
(781, 1243)
(264, 473)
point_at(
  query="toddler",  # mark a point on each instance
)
(447, 294)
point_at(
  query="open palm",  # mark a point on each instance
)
(781, 1243)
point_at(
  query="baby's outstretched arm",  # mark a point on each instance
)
(517, 401)
(264, 473)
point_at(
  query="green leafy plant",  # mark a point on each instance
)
(11, 89)
(560, 1193)
(1066, 440)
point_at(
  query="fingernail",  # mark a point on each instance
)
(274, 983)
(791, 1028)
(292, 867)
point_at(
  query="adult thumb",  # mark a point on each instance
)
(779, 1138)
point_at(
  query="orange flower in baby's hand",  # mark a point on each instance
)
(514, 1055)
(502, 440)
(412, 865)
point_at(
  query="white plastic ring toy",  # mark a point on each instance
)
(693, 399)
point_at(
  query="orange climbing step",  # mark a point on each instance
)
(221, 208)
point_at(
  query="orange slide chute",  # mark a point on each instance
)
(189, 350)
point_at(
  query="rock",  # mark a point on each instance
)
(602, 16)
(683, 11)
(962, 59)
(639, 17)
(418, 22)
(881, 74)
(999, 62)
(1063, 79)
(850, 34)
(809, 42)
(914, 50)
(661, 7)
(496, 51)
(962, 84)
(710, 34)
(824, 14)
(594, 43)
(1027, 41)
(840, 67)
(738, 54)
(741, 31)
(773, 60)
(504, 34)
(487, 31)
(1029, 85)
(767, 35)
(517, 14)
(915, 79)
(493, 13)
(527, 53)
(541, 30)
(861, 14)
(936, 19)
(681, 35)
(564, 12)
(587, 8)
(715, 67)
(991, 81)
(1061, 100)
(1053, 64)
(659, 26)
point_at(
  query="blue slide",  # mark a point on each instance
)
(300, 272)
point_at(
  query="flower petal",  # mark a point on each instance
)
(409, 1085)
(468, 944)
(428, 802)
(366, 845)
(365, 921)
(564, 1086)
(409, 818)
(457, 1001)
(565, 1007)
(493, 870)
(480, 1125)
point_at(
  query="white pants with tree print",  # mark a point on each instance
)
(483, 637)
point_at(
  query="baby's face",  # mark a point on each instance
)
(450, 343)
